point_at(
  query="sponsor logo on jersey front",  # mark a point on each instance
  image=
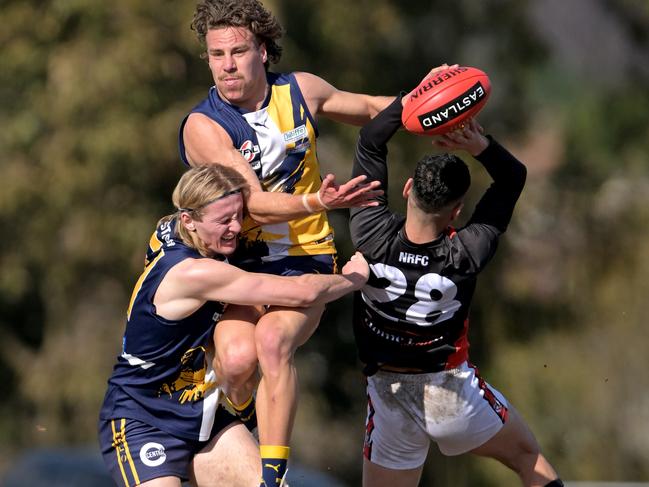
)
(153, 454)
(408, 258)
(298, 133)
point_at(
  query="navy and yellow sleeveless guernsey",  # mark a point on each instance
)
(279, 142)
(164, 375)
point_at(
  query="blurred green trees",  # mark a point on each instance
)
(91, 95)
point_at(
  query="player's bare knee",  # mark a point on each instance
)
(238, 360)
(273, 345)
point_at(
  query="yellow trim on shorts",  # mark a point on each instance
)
(119, 438)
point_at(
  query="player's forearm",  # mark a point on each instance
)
(496, 206)
(267, 207)
(359, 109)
(374, 106)
(327, 288)
(379, 103)
(381, 128)
(371, 160)
(503, 167)
(371, 149)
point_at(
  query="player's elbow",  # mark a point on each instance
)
(520, 176)
(304, 296)
(522, 173)
(309, 297)
(258, 207)
(263, 218)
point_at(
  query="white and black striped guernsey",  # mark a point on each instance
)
(413, 312)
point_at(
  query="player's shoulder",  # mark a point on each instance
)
(204, 125)
(281, 78)
(194, 268)
(311, 83)
(376, 235)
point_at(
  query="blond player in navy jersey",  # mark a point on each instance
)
(265, 125)
(162, 421)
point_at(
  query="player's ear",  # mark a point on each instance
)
(407, 188)
(457, 209)
(187, 221)
(263, 52)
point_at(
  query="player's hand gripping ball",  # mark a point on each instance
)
(445, 100)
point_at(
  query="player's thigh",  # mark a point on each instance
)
(395, 428)
(376, 476)
(231, 459)
(291, 326)
(512, 443)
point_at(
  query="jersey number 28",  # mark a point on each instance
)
(433, 296)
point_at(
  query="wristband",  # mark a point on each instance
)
(320, 201)
(306, 204)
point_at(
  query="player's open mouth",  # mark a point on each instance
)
(227, 239)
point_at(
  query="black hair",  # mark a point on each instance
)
(440, 180)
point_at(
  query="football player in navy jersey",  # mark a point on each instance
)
(162, 421)
(264, 124)
(411, 318)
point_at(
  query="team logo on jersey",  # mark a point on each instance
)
(152, 454)
(408, 258)
(249, 151)
(191, 379)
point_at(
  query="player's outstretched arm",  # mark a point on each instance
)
(192, 282)
(207, 142)
(496, 206)
(324, 99)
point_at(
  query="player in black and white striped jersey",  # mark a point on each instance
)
(411, 318)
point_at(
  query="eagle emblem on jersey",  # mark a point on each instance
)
(191, 380)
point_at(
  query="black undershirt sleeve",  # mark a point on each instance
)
(494, 211)
(497, 204)
(371, 160)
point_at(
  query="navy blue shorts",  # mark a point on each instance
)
(295, 265)
(135, 452)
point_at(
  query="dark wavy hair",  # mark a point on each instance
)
(440, 180)
(251, 14)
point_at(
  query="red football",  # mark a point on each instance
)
(444, 100)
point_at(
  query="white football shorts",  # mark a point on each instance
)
(455, 408)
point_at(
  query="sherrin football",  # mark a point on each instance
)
(443, 101)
